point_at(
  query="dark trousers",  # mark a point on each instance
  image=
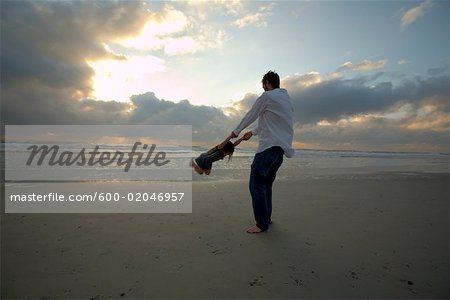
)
(263, 172)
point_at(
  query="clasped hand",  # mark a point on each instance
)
(233, 135)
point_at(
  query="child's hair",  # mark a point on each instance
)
(229, 147)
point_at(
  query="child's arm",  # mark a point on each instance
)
(237, 142)
(245, 137)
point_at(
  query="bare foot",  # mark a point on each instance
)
(207, 172)
(254, 229)
(196, 167)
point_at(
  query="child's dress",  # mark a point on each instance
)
(205, 160)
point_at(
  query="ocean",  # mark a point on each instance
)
(305, 163)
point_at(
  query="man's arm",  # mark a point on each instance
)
(257, 108)
(250, 117)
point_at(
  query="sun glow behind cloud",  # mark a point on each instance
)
(156, 34)
(119, 79)
(149, 55)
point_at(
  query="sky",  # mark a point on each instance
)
(362, 75)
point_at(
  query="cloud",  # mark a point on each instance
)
(351, 114)
(402, 62)
(41, 63)
(209, 123)
(233, 7)
(158, 31)
(339, 113)
(48, 75)
(257, 19)
(373, 134)
(176, 32)
(411, 15)
(46, 71)
(333, 113)
(335, 99)
(304, 80)
(438, 70)
(365, 65)
(230, 7)
(114, 79)
(237, 109)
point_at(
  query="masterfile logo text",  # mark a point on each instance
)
(53, 156)
(98, 168)
(95, 152)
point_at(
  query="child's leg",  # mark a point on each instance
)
(202, 164)
(196, 167)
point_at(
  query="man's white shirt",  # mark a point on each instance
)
(275, 124)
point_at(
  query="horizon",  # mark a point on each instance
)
(250, 148)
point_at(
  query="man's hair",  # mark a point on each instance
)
(272, 78)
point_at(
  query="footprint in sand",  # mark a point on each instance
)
(257, 281)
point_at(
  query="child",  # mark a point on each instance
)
(203, 163)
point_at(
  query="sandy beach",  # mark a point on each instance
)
(347, 236)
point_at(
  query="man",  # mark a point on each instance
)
(275, 130)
